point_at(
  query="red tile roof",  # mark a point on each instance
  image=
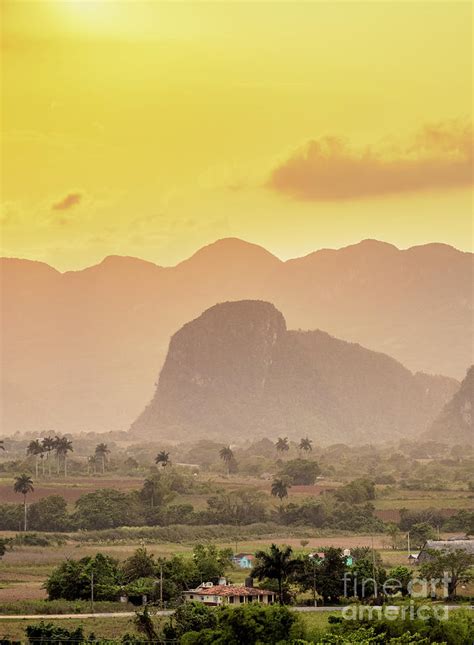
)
(229, 590)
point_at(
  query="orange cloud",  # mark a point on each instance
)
(67, 202)
(439, 156)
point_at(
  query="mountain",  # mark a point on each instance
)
(454, 424)
(236, 371)
(81, 350)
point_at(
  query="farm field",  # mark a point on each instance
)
(71, 488)
(24, 569)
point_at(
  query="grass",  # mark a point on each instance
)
(102, 628)
(40, 607)
(315, 623)
(419, 500)
(114, 628)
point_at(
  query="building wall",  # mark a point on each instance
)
(236, 600)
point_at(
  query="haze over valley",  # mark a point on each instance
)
(83, 350)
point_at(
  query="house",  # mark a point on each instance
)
(445, 545)
(244, 560)
(226, 594)
(320, 555)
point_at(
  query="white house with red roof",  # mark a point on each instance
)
(224, 593)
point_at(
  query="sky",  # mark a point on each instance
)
(153, 128)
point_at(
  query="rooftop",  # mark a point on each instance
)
(449, 545)
(229, 590)
(239, 556)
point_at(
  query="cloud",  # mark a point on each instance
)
(67, 202)
(440, 156)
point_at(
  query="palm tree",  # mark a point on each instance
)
(23, 485)
(227, 456)
(156, 491)
(276, 564)
(282, 444)
(280, 489)
(101, 452)
(163, 457)
(306, 444)
(91, 464)
(149, 490)
(49, 444)
(36, 449)
(62, 446)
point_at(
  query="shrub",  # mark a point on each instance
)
(300, 471)
(46, 633)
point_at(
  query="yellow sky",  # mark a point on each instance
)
(152, 128)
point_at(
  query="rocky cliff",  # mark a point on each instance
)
(236, 371)
(454, 424)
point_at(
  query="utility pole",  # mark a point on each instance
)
(161, 586)
(373, 568)
(92, 592)
(313, 560)
(408, 543)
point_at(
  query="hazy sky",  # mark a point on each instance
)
(152, 128)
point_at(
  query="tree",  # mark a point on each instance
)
(211, 562)
(49, 444)
(36, 449)
(156, 490)
(243, 506)
(282, 445)
(456, 563)
(107, 508)
(91, 464)
(163, 458)
(3, 547)
(280, 489)
(253, 624)
(306, 444)
(275, 564)
(23, 485)
(101, 452)
(144, 624)
(62, 446)
(11, 517)
(367, 577)
(301, 471)
(402, 575)
(2, 444)
(49, 514)
(395, 535)
(71, 580)
(139, 565)
(356, 492)
(227, 456)
(330, 574)
(189, 617)
(420, 533)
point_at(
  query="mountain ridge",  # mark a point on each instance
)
(85, 346)
(224, 240)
